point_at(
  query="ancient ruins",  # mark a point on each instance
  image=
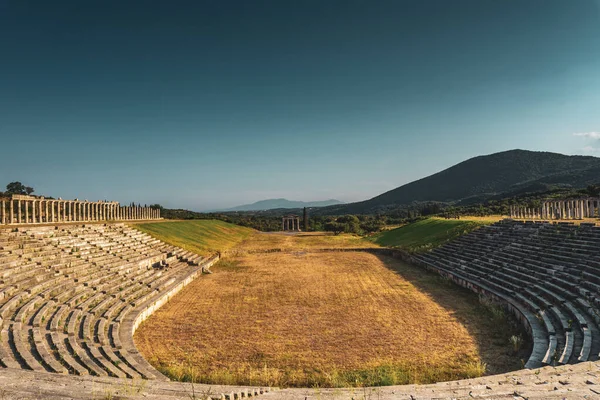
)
(559, 209)
(290, 223)
(72, 295)
(23, 209)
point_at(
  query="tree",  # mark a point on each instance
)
(18, 188)
(351, 223)
(334, 227)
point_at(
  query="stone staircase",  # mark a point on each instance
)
(548, 274)
(71, 297)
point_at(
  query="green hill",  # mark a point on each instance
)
(200, 236)
(483, 177)
(425, 234)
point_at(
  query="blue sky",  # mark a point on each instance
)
(207, 104)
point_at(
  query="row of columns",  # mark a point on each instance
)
(290, 223)
(559, 209)
(38, 211)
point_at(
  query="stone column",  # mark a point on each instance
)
(561, 209)
(64, 210)
(3, 211)
(40, 211)
(19, 211)
(26, 204)
(33, 211)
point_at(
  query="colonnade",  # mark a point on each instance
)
(290, 223)
(21, 209)
(559, 209)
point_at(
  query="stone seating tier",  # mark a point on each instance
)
(67, 293)
(550, 270)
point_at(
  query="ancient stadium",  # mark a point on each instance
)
(94, 307)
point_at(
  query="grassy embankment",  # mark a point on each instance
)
(200, 236)
(322, 319)
(428, 233)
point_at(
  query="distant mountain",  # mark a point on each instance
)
(483, 177)
(271, 204)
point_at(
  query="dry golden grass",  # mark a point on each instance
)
(322, 319)
(302, 241)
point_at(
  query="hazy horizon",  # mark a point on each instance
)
(205, 105)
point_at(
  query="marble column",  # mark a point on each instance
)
(19, 211)
(33, 211)
(26, 205)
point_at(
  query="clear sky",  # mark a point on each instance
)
(206, 104)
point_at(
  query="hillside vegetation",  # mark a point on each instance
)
(427, 233)
(200, 236)
(482, 177)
